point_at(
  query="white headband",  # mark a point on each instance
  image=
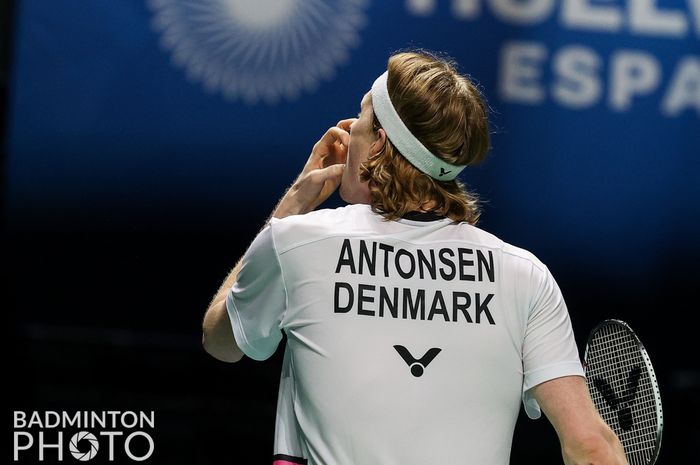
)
(399, 135)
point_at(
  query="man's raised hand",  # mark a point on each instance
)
(321, 174)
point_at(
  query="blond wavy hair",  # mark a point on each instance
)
(447, 114)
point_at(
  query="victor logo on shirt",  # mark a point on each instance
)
(419, 365)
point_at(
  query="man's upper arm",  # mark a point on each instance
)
(549, 348)
(568, 406)
(217, 337)
(257, 300)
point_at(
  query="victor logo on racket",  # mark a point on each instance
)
(621, 405)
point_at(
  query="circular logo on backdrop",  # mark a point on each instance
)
(87, 437)
(259, 50)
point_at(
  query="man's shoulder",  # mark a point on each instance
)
(523, 255)
(325, 219)
(325, 215)
(510, 252)
(359, 219)
(320, 224)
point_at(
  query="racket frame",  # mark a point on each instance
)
(650, 371)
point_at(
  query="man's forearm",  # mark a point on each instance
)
(318, 180)
(585, 438)
(601, 448)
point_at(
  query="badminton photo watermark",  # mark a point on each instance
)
(83, 435)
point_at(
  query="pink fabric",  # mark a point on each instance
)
(283, 462)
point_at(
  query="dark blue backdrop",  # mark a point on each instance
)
(149, 140)
(138, 108)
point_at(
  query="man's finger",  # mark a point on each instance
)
(334, 134)
(344, 124)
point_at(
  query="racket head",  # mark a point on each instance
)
(624, 389)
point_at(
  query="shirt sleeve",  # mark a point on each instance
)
(549, 347)
(258, 299)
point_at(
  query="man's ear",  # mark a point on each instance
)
(379, 141)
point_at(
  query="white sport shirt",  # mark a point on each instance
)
(408, 342)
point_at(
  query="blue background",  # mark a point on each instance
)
(102, 122)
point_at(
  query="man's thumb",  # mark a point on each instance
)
(331, 173)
